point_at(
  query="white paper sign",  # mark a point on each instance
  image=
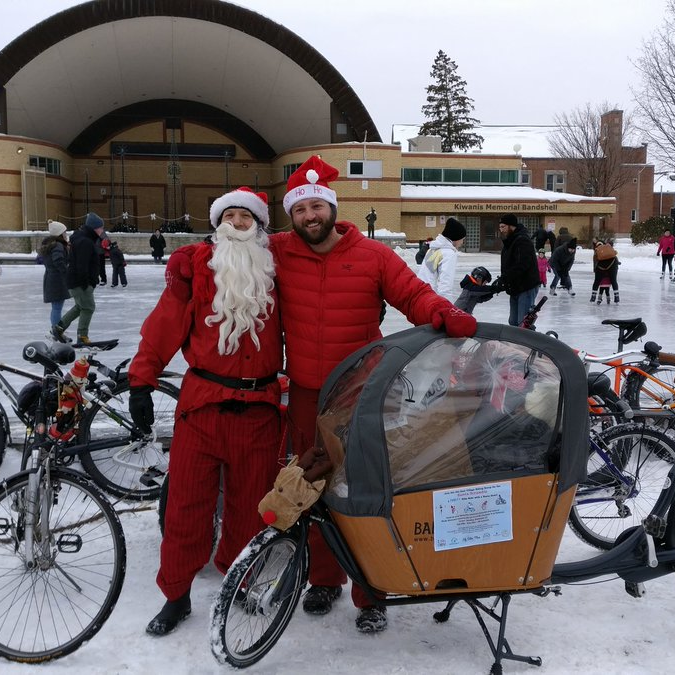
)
(472, 515)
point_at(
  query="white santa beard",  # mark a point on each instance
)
(243, 272)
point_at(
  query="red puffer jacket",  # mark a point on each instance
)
(177, 322)
(330, 304)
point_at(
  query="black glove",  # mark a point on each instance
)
(141, 407)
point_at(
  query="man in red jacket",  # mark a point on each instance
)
(219, 307)
(331, 282)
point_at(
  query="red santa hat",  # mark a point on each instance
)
(310, 181)
(241, 198)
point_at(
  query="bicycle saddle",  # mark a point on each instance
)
(626, 324)
(58, 353)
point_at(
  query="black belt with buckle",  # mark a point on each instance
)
(243, 383)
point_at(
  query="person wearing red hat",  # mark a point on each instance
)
(331, 282)
(220, 308)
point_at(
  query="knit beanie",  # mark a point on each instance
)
(509, 219)
(93, 221)
(241, 198)
(56, 229)
(453, 230)
(572, 243)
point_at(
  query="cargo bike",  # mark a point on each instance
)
(455, 466)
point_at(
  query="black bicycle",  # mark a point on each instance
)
(62, 546)
(116, 454)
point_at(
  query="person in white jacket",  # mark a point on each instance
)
(440, 263)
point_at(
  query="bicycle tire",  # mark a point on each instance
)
(643, 394)
(118, 469)
(648, 454)
(247, 618)
(3, 439)
(43, 615)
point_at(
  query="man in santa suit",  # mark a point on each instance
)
(219, 307)
(331, 282)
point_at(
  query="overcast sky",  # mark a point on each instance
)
(524, 61)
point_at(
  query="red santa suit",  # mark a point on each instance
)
(234, 426)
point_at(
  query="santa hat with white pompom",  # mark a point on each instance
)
(241, 198)
(310, 181)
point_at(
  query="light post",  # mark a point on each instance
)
(637, 198)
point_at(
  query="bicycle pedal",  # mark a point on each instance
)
(635, 589)
(153, 476)
(655, 526)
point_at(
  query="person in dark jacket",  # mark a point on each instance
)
(541, 238)
(519, 269)
(118, 263)
(82, 277)
(103, 249)
(475, 289)
(561, 263)
(157, 244)
(563, 237)
(604, 269)
(54, 253)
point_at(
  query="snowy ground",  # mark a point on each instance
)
(594, 628)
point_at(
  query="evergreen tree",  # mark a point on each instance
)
(448, 108)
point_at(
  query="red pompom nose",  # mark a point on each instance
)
(269, 517)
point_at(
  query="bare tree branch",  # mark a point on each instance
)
(594, 161)
(655, 98)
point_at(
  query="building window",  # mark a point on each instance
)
(432, 175)
(341, 129)
(555, 181)
(508, 176)
(411, 175)
(526, 177)
(633, 216)
(289, 169)
(365, 168)
(452, 175)
(50, 166)
(438, 176)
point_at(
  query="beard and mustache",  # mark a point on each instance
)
(317, 236)
(243, 272)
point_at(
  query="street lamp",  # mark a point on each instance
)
(637, 197)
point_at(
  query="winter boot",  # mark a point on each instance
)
(319, 599)
(662, 275)
(608, 298)
(173, 613)
(371, 619)
(59, 334)
(83, 340)
(594, 295)
(571, 292)
(552, 291)
(616, 296)
(600, 300)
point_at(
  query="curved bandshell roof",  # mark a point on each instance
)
(82, 64)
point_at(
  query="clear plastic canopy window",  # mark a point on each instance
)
(459, 408)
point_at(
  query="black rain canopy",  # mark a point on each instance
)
(418, 411)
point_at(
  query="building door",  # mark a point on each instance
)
(33, 198)
(472, 240)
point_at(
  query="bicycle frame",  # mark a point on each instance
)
(615, 472)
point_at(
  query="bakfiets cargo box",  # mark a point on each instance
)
(455, 460)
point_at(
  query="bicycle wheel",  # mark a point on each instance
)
(129, 461)
(48, 611)
(645, 394)
(613, 500)
(257, 597)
